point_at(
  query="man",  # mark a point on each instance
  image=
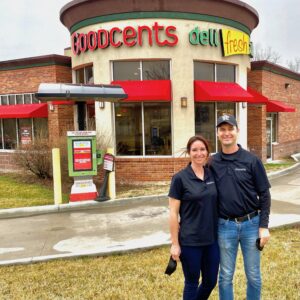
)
(244, 208)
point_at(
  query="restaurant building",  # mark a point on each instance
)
(182, 64)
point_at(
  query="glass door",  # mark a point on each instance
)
(269, 138)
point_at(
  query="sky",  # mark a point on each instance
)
(32, 28)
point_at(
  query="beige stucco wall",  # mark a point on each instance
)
(181, 56)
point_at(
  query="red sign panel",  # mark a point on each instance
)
(82, 155)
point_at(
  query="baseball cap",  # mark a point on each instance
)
(229, 119)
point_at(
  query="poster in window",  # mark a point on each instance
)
(26, 136)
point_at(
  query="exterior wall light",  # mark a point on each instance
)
(183, 102)
(287, 85)
(51, 107)
(101, 105)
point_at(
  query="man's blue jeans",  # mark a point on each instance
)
(230, 235)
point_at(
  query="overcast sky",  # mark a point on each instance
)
(32, 28)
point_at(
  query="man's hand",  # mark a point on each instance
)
(264, 235)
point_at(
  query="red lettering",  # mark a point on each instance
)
(173, 36)
(103, 34)
(156, 29)
(75, 43)
(82, 42)
(112, 37)
(140, 34)
(92, 40)
(129, 33)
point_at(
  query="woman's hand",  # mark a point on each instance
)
(175, 252)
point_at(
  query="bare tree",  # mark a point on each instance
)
(268, 54)
(294, 65)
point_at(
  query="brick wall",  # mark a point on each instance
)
(270, 80)
(24, 76)
(130, 170)
(7, 161)
(256, 126)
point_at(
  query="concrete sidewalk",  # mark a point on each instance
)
(91, 228)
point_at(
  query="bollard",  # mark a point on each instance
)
(111, 180)
(56, 176)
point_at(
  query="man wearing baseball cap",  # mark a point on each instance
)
(244, 208)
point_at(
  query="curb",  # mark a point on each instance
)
(74, 206)
(277, 174)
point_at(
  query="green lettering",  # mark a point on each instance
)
(203, 36)
(194, 36)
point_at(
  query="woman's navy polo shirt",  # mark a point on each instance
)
(198, 207)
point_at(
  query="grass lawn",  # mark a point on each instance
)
(15, 191)
(140, 275)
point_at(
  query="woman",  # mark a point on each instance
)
(193, 198)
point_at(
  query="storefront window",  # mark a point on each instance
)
(141, 70)
(204, 71)
(19, 99)
(156, 70)
(4, 100)
(128, 120)
(34, 99)
(9, 133)
(225, 73)
(206, 114)
(80, 75)
(27, 98)
(89, 77)
(205, 122)
(12, 99)
(126, 70)
(40, 127)
(157, 122)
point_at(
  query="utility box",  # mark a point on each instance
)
(83, 158)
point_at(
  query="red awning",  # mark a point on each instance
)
(278, 106)
(220, 91)
(257, 97)
(23, 111)
(146, 90)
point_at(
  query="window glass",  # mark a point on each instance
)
(89, 77)
(157, 119)
(80, 75)
(40, 126)
(9, 133)
(34, 99)
(25, 131)
(19, 99)
(156, 70)
(128, 120)
(126, 70)
(4, 100)
(205, 122)
(274, 117)
(27, 99)
(204, 71)
(12, 99)
(225, 73)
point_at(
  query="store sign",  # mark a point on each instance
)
(26, 137)
(235, 42)
(204, 37)
(128, 36)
